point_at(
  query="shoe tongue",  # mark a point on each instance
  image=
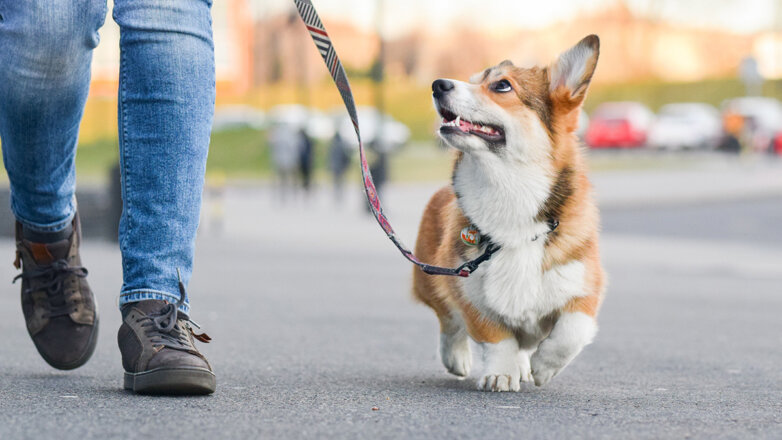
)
(46, 253)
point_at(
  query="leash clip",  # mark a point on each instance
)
(469, 267)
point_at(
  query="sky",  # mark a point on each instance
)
(499, 16)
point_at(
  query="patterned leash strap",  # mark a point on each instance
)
(326, 49)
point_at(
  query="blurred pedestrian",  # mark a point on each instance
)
(379, 170)
(285, 156)
(733, 126)
(166, 106)
(306, 159)
(379, 167)
(339, 161)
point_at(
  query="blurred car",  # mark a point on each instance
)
(315, 123)
(619, 125)
(381, 132)
(761, 120)
(776, 148)
(233, 117)
(685, 126)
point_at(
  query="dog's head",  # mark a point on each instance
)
(516, 112)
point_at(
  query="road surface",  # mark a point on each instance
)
(313, 328)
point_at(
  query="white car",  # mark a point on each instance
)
(316, 123)
(373, 125)
(685, 126)
(238, 116)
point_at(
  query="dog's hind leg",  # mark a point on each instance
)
(571, 333)
(435, 245)
(574, 329)
(454, 344)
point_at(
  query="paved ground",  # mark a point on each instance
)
(313, 326)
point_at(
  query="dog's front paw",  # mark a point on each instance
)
(511, 381)
(542, 371)
(499, 382)
(502, 366)
(456, 354)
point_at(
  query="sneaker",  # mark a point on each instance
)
(58, 305)
(158, 351)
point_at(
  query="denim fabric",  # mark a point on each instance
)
(166, 104)
(45, 52)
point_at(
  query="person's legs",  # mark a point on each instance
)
(45, 53)
(166, 104)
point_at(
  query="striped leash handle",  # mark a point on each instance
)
(326, 49)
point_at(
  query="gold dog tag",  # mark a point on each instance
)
(471, 236)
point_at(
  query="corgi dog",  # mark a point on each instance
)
(519, 182)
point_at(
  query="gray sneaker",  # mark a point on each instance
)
(158, 351)
(57, 302)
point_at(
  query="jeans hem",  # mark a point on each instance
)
(144, 294)
(48, 227)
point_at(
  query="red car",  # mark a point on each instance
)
(619, 125)
(776, 146)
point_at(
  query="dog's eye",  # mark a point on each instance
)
(502, 86)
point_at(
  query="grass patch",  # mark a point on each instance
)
(96, 158)
(422, 162)
(244, 154)
(240, 153)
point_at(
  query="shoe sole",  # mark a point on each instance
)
(193, 381)
(84, 357)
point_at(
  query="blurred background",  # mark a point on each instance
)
(679, 86)
(674, 77)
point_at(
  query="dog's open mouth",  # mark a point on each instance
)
(455, 124)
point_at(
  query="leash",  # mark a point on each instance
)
(326, 49)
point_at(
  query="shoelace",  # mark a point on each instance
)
(54, 275)
(162, 327)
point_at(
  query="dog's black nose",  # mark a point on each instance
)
(441, 87)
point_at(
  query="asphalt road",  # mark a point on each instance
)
(754, 220)
(310, 336)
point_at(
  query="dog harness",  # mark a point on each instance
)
(334, 65)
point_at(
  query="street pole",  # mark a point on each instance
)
(378, 77)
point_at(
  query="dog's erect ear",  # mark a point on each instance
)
(573, 69)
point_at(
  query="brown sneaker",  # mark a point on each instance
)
(158, 353)
(58, 305)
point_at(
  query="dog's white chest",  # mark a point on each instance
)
(513, 288)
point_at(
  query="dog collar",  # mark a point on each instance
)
(471, 235)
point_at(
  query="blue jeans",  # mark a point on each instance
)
(166, 104)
